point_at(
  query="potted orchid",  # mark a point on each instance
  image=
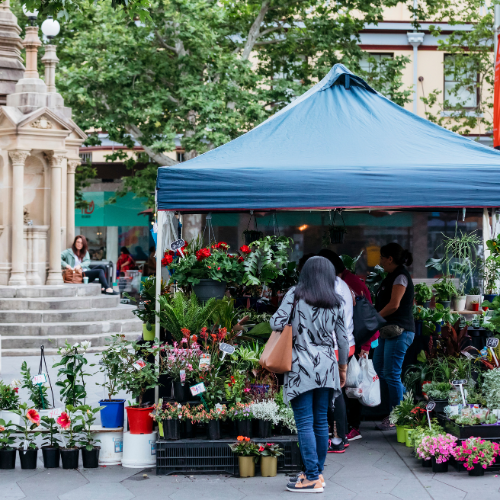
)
(30, 421)
(439, 449)
(9, 401)
(69, 433)
(7, 450)
(477, 454)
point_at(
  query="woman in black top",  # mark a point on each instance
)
(394, 302)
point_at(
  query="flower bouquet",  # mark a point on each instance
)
(439, 449)
(477, 454)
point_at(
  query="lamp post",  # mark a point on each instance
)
(31, 15)
(50, 28)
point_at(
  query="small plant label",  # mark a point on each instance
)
(177, 245)
(139, 365)
(197, 389)
(430, 406)
(182, 374)
(55, 412)
(205, 361)
(226, 349)
(39, 379)
(218, 407)
(461, 384)
(491, 344)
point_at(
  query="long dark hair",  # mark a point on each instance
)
(124, 250)
(398, 254)
(317, 284)
(80, 253)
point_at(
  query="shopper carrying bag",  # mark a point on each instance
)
(315, 312)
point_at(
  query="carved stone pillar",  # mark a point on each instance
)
(56, 159)
(70, 210)
(17, 275)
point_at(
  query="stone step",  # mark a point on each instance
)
(59, 303)
(11, 292)
(70, 328)
(122, 311)
(23, 346)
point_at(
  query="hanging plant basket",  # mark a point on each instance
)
(337, 234)
(251, 236)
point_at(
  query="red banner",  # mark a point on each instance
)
(496, 102)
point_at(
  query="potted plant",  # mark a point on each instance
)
(248, 455)
(269, 454)
(7, 450)
(206, 269)
(212, 418)
(423, 295)
(138, 376)
(50, 444)
(267, 415)
(476, 454)
(438, 392)
(445, 290)
(335, 234)
(90, 452)
(111, 365)
(37, 392)
(241, 414)
(9, 401)
(474, 295)
(30, 420)
(69, 433)
(400, 416)
(252, 235)
(439, 449)
(168, 416)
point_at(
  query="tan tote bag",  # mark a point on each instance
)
(73, 276)
(277, 355)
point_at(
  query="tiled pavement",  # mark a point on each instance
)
(373, 468)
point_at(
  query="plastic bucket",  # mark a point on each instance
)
(400, 434)
(139, 450)
(112, 413)
(148, 335)
(139, 420)
(111, 441)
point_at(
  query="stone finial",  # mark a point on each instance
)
(31, 43)
(50, 61)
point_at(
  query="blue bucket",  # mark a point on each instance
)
(113, 413)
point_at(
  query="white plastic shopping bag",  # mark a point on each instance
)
(370, 383)
(353, 377)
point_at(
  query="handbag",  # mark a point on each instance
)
(391, 331)
(73, 276)
(277, 355)
(366, 321)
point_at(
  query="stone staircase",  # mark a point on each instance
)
(34, 315)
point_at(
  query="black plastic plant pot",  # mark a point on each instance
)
(188, 430)
(337, 235)
(426, 463)
(51, 457)
(213, 431)
(28, 458)
(180, 392)
(244, 427)
(477, 470)
(445, 303)
(90, 458)
(264, 428)
(69, 457)
(442, 467)
(8, 458)
(251, 236)
(172, 429)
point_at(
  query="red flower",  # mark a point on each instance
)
(167, 260)
(240, 259)
(16, 389)
(194, 339)
(64, 420)
(185, 332)
(214, 337)
(204, 333)
(2, 428)
(245, 249)
(261, 449)
(203, 253)
(218, 269)
(222, 333)
(33, 416)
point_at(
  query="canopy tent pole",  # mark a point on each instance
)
(159, 252)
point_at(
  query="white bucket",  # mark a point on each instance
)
(111, 446)
(7, 415)
(139, 450)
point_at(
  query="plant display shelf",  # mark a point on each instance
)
(201, 456)
(462, 432)
(459, 466)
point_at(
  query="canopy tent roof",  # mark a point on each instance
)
(339, 145)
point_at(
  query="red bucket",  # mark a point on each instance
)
(139, 420)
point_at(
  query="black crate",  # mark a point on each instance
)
(200, 456)
(467, 431)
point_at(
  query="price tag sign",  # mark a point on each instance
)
(55, 412)
(197, 389)
(205, 361)
(218, 407)
(492, 343)
(139, 365)
(182, 374)
(429, 407)
(177, 245)
(461, 384)
(39, 379)
(226, 349)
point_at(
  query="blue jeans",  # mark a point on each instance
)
(310, 410)
(388, 361)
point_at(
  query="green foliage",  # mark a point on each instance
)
(374, 280)
(402, 413)
(6, 429)
(225, 314)
(87, 417)
(83, 174)
(437, 390)
(350, 262)
(9, 399)
(268, 260)
(146, 310)
(37, 393)
(491, 388)
(181, 311)
(422, 293)
(445, 289)
(286, 279)
(71, 373)
(49, 438)
(28, 427)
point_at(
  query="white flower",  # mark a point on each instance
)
(15, 383)
(64, 351)
(76, 346)
(85, 344)
(267, 410)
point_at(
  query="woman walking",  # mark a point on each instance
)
(316, 312)
(395, 304)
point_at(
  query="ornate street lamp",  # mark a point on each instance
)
(30, 15)
(51, 28)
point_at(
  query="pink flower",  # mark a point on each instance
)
(33, 416)
(64, 420)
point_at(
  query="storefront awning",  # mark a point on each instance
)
(339, 145)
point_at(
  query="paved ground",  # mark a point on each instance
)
(374, 468)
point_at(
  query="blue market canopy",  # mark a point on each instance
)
(339, 145)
